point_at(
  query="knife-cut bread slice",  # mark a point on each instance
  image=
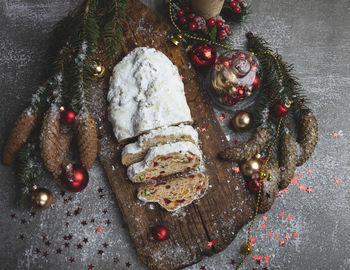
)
(164, 160)
(135, 152)
(175, 193)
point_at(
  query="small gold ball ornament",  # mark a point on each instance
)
(242, 121)
(246, 249)
(251, 167)
(41, 198)
(265, 175)
(99, 70)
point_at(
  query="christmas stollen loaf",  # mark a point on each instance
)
(175, 193)
(164, 160)
(135, 152)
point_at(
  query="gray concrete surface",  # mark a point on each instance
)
(314, 35)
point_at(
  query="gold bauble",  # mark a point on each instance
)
(242, 121)
(251, 167)
(223, 79)
(246, 249)
(41, 198)
(99, 70)
(176, 40)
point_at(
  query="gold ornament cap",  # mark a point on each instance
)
(176, 40)
(99, 70)
(246, 249)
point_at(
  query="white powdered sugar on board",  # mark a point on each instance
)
(146, 92)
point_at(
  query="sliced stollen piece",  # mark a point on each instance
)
(146, 92)
(175, 193)
(135, 152)
(164, 160)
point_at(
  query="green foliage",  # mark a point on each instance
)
(212, 33)
(30, 170)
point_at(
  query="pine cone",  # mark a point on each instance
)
(247, 150)
(268, 194)
(308, 136)
(18, 136)
(65, 138)
(87, 140)
(50, 140)
(288, 157)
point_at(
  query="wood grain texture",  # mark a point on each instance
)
(226, 207)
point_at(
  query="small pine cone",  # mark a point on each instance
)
(308, 136)
(268, 194)
(288, 160)
(50, 140)
(247, 150)
(18, 136)
(65, 138)
(87, 140)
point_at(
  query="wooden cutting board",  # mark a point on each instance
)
(226, 207)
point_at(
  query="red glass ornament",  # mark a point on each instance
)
(237, 9)
(187, 9)
(75, 178)
(280, 110)
(233, 4)
(219, 23)
(182, 20)
(203, 55)
(222, 34)
(192, 26)
(67, 117)
(181, 13)
(211, 22)
(254, 185)
(161, 233)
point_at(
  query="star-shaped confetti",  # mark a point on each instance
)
(263, 226)
(37, 250)
(23, 221)
(300, 175)
(233, 262)
(211, 243)
(127, 264)
(269, 234)
(235, 141)
(267, 258)
(181, 77)
(58, 251)
(202, 267)
(79, 246)
(99, 229)
(66, 244)
(337, 181)
(90, 267)
(223, 116)
(236, 169)
(281, 214)
(13, 215)
(264, 218)
(71, 259)
(100, 252)
(115, 260)
(303, 187)
(289, 217)
(203, 128)
(335, 134)
(100, 190)
(45, 254)
(294, 181)
(77, 211)
(105, 211)
(287, 237)
(296, 234)
(309, 189)
(107, 222)
(105, 245)
(309, 170)
(84, 223)
(48, 243)
(21, 236)
(282, 243)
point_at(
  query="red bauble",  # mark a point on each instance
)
(227, 28)
(233, 4)
(219, 23)
(222, 34)
(161, 233)
(203, 55)
(187, 9)
(254, 185)
(181, 13)
(75, 178)
(211, 22)
(280, 110)
(182, 20)
(191, 16)
(192, 26)
(237, 9)
(67, 117)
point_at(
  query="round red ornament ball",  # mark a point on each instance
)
(237, 9)
(254, 185)
(192, 26)
(219, 23)
(211, 22)
(182, 20)
(67, 116)
(203, 55)
(222, 34)
(280, 110)
(161, 233)
(233, 4)
(181, 13)
(75, 178)
(187, 9)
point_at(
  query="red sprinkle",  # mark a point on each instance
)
(167, 201)
(155, 164)
(180, 201)
(159, 184)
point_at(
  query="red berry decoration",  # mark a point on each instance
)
(203, 27)
(243, 4)
(226, 28)
(161, 233)
(203, 55)
(233, 4)
(187, 9)
(222, 34)
(219, 23)
(181, 13)
(182, 20)
(254, 185)
(75, 178)
(67, 117)
(192, 26)
(237, 9)
(280, 110)
(211, 22)
(191, 16)
(197, 19)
